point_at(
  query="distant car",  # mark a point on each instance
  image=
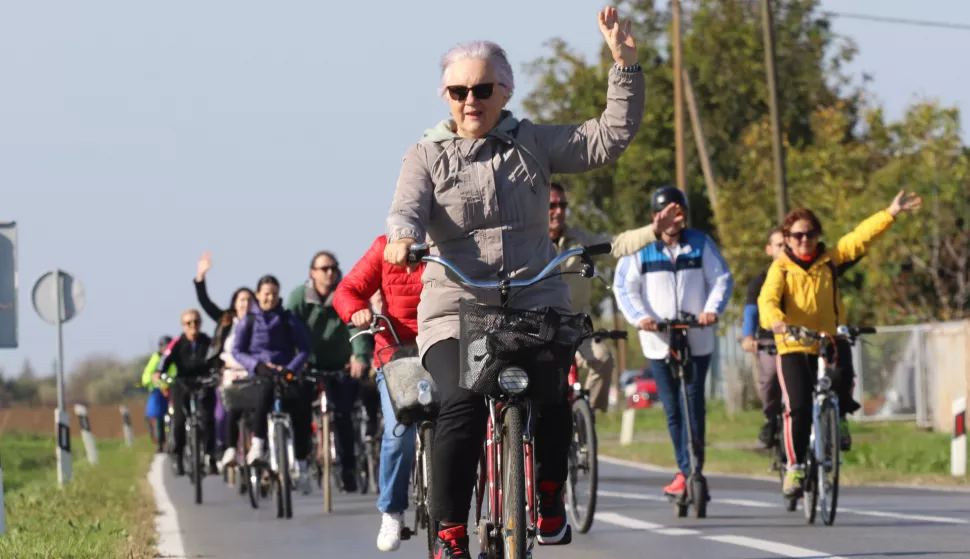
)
(639, 387)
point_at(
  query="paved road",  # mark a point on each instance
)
(745, 521)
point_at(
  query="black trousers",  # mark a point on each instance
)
(798, 374)
(180, 404)
(460, 435)
(296, 401)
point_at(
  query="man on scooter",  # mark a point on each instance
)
(681, 272)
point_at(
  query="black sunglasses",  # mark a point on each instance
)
(560, 205)
(327, 268)
(480, 91)
(798, 236)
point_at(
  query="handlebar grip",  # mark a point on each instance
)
(866, 330)
(417, 251)
(598, 249)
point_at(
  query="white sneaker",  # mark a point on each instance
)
(228, 458)
(389, 538)
(304, 477)
(256, 452)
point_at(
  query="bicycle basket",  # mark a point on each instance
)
(405, 380)
(243, 394)
(542, 342)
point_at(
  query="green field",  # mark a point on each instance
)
(107, 510)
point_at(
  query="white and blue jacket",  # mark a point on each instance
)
(659, 282)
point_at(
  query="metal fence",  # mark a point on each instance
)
(902, 372)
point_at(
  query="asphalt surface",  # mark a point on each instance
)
(746, 520)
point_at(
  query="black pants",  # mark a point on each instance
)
(296, 402)
(342, 394)
(798, 375)
(233, 417)
(371, 400)
(180, 404)
(460, 435)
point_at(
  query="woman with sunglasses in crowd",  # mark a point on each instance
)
(801, 290)
(220, 356)
(478, 186)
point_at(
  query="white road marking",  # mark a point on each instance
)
(782, 549)
(167, 522)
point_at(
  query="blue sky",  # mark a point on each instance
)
(135, 135)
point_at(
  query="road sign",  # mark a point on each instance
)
(8, 285)
(45, 295)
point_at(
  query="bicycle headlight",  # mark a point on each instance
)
(513, 381)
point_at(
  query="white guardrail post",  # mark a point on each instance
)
(86, 435)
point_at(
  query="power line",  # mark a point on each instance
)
(901, 21)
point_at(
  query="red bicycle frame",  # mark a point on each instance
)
(490, 474)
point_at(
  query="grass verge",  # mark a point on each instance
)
(107, 510)
(885, 452)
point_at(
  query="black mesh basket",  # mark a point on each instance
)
(243, 394)
(542, 342)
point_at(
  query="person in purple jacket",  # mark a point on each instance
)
(271, 340)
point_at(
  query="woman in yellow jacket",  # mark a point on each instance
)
(801, 290)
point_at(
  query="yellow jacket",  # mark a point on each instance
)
(807, 296)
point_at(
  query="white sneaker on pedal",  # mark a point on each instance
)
(228, 458)
(304, 477)
(256, 451)
(389, 538)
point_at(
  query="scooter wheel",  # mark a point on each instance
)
(699, 498)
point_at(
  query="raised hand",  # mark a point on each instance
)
(905, 203)
(618, 37)
(670, 215)
(205, 263)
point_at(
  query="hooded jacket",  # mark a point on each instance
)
(485, 202)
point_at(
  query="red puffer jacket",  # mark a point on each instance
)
(402, 292)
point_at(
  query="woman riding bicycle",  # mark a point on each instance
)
(801, 290)
(271, 340)
(157, 404)
(478, 187)
(220, 355)
(402, 292)
(188, 353)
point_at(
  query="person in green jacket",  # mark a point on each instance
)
(331, 350)
(157, 404)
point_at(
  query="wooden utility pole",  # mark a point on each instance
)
(695, 120)
(768, 24)
(681, 162)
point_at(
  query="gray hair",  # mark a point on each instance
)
(482, 50)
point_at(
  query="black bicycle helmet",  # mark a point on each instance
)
(666, 195)
(164, 341)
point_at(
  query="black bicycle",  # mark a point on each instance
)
(583, 459)
(681, 364)
(193, 456)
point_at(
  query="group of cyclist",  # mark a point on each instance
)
(474, 188)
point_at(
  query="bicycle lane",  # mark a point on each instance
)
(631, 520)
(871, 522)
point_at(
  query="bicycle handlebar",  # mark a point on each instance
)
(421, 252)
(374, 328)
(609, 335)
(688, 321)
(850, 333)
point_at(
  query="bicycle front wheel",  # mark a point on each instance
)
(284, 503)
(513, 485)
(197, 473)
(427, 439)
(582, 477)
(325, 461)
(828, 464)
